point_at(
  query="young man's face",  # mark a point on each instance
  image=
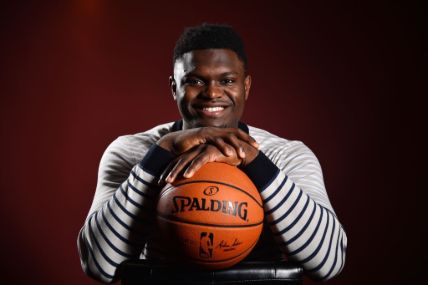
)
(210, 87)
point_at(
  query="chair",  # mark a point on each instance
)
(251, 272)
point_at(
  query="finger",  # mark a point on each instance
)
(238, 133)
(192, 138)
(236, 143)
(181, 163)
(169, 175)
(166, 171)
(225, 148)
(175, 171)
(209, 155)
(247, 138)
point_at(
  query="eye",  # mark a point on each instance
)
(227, 81)
(193, 81)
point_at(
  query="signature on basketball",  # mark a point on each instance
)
(228, 246)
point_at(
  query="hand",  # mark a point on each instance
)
(195, 158)
(227, 140)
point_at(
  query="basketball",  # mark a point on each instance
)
(212, 220)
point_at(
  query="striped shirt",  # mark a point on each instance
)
(299, 218)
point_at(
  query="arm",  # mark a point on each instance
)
(299, 213)
(121, 214)
(296, 204)
(196, 147)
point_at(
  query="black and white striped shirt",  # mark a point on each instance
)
(287, 173)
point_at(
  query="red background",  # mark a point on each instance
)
(343, 78)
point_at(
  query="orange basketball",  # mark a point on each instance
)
(212, 220)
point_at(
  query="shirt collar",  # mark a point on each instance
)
(178, 126)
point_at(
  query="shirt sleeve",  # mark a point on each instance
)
(299, 213)
(121, 214)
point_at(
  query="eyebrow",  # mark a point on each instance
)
(192, 73)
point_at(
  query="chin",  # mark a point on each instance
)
(213, 123)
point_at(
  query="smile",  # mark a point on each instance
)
(213, 109)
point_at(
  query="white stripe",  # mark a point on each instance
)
(122, 246)
(312, 246)
(270, 190)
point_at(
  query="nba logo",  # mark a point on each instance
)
(206, 243)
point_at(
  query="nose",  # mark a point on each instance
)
(213, 90)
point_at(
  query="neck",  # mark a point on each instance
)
(181, 125)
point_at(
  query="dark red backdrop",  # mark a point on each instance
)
(76, 75)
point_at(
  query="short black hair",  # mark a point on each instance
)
(210, 36)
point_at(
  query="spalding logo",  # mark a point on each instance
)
(233, 208)
(211, 190)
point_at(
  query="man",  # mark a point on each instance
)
(210, 85)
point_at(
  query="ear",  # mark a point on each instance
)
(247, 86)
(173, 86)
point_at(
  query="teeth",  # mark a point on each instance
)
(213, 109)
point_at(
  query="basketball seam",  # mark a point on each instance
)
(185, 221)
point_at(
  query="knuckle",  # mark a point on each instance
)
(211, 157)
(210, 149)
(218, 140)
(198, 162)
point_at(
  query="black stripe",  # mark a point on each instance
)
(276, 191)
(319, 244)
(330, 211)
(133, 230)
(221, 183)
(334, 262)
(125, 240)
(117, 218)
(343, 250)
(148, 184)
(141, 193)
(124, 193)
(328, 251)
(294, 252)
(281, 202)
(108, 259)
(97, 265)
(129, 256)
(135, 217)
(303, 229)
(175, 219)
(296, 219)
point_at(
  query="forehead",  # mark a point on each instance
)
(209, 59)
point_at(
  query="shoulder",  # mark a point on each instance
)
(297, 161)
(132, 147)
(282, 151)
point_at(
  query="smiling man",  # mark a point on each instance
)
(210, 85)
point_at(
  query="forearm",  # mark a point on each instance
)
(305, 231)
(117, 231)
